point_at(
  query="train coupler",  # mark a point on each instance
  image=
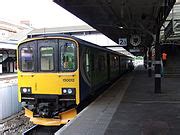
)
(62, 118)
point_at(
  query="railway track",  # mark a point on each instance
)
(42, 130)
(50, 130)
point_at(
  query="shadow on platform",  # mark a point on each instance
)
(142, 112)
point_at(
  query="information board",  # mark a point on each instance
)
(122, 41)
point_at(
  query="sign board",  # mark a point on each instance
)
(122, 41)
(134, 50)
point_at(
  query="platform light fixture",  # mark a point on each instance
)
(120, 27)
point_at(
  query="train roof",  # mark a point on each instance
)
(78, 40)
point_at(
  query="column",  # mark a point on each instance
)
(149, 62)
(157, 63)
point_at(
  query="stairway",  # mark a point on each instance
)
(172, 72)
(172, 68)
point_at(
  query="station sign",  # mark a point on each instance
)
(134, 50)
(122, 42)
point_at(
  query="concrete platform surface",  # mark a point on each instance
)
(8, 78)
(130, 107)
(94, 119)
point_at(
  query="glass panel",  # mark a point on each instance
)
(1, 57)
(68, 56)
(27, 59)
(87, 62)
(47, 58)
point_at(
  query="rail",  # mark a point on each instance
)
(42, 130)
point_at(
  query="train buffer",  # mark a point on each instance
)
(130, 107)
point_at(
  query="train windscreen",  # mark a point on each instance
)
(68, 56)
(27, 59)
(48, 55)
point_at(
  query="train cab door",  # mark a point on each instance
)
(47, 63)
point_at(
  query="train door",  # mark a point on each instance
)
(87, 66)
(47, 63)
(93, 69)
(89, 63)
(85, 72)
(47, 55)
(108, 65)
(119, 65)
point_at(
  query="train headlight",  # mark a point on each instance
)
(64, 91)
(25, 90)
(68, 91)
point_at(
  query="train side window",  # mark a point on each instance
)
(27, 59)
(47, 58)
(87, 63)
(68, 56)
(92, 61)
(101, 63)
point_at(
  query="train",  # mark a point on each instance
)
(57, 73)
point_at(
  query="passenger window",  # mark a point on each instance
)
(87, 63)
(101, 63)
(68, 56)
(47, 58)
(27, 59)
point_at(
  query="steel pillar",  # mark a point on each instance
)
(149, 62)
(157, 63)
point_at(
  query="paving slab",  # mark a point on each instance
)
(142, 112)
(130, 107)
(94, 119)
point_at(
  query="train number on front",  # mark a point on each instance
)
(68, 80)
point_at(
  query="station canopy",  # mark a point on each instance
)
(121, 18)
(170, 32)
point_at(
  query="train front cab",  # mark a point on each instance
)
(48, 79)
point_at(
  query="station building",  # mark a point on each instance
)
(84, 32)
(10, 35)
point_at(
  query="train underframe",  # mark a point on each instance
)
(50, 110)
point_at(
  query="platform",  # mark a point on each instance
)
(130, 107)
(6, 78)
(9, 104)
